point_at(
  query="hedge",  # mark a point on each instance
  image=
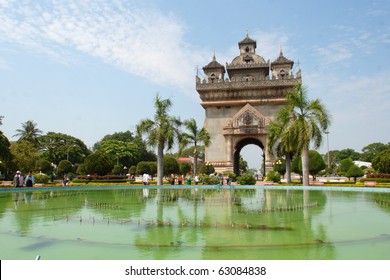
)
(376, 179)
(378, 176)
(105, 177)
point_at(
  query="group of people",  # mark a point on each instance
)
(179, 179)
(20, 181)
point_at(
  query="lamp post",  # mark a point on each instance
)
(327, 142)
(67, 152)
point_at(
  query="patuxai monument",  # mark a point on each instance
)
(240, 104)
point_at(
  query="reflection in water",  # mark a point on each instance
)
(195, 224)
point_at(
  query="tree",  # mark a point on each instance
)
(205, 168)
(64, 167)
(133, 170)
(189, 152)
(348, 153)
(5, 154)
(371, 150)
(243, 165)
(345, 165)
(283, 139)
(162, 132)
(381, 162)
(58, 146)
(354, 171)
(121, 153)
(126, 136)
(171, 166)
(29, 132)
(185, 167)
(333, 160)
(308, 121)
(143, 167)
(25, 155)
(43, 165)
(280, 167)
(316, 163)
(153, 168)
(97, 163)
(194, 137)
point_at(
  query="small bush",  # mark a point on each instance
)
(41, 178)
(246, 179)
(376, 179)
(209, 180)
(232, 176)
(273, 176)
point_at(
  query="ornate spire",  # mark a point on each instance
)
(214, 64)
(282, 59)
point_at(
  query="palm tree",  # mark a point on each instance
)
(303, 121)
(194, 137)
(29, 132)
(162, 131)
(285, 145)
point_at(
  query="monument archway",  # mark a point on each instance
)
(239, 108)
(237, 151)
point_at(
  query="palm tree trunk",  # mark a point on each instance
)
(305, 166)
(160, 159)
(195, 163)
(288, 168)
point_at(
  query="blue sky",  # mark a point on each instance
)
(91, 68)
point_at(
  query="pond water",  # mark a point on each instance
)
(115, 223)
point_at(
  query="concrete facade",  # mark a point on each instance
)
(240, 106)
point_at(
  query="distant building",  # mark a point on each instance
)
(362, 163)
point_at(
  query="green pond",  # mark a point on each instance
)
(206, 223)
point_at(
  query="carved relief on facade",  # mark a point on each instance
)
(247, 121)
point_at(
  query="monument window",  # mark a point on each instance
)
(248, 58)
(247, 49)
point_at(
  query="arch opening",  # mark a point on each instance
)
(237, 151)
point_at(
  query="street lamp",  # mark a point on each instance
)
(67, 153)
(327, 141)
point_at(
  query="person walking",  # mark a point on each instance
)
(196, 179)
(172, 179)
(180, 179)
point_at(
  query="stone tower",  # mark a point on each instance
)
(239, 107)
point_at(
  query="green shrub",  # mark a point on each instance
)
(117, 170)
(41, 178)
(273, 176)
(232, 176)
(246, 179)
(209, 180)
(376, 179)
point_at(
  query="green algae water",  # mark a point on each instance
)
(200, 224)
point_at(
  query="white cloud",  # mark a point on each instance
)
(135, 38)
(269, 44)
(333, 53)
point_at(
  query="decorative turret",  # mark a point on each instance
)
(214, 71)
(248, 66)
(282, 67)
(247, 46)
